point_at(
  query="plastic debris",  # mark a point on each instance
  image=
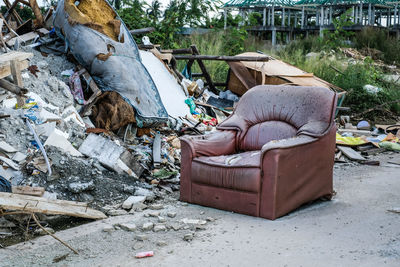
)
(144, 254)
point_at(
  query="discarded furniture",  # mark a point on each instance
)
(244, 75)
(273, 154)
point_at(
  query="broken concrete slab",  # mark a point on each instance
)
(10, 163)
(58, 140)
(19, 157)
(5, 147)
(106, 151)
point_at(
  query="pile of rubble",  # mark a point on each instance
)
(358, 143)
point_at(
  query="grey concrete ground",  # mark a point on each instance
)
(354, 229)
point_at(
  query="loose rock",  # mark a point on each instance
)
(128, 226)
(147, 226)
(188, 237)
(171, 214)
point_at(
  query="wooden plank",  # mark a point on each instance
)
(222, 58)
(28, 190)
(373, 151)
(14, 55)
(14, 13)
(10, 201)
(5, 69)
(359, 132)
(95, 89)
(351, 153)
(23, 38)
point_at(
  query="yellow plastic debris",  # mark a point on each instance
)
(350, 141)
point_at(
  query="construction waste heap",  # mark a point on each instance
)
(90, 123)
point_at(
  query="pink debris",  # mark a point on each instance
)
(144, 254)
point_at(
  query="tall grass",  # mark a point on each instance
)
(328, 64)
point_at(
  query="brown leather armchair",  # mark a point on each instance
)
(273, 154)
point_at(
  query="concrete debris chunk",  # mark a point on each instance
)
(106, 151)
(10, 163)
(131, 227)
(171, 214)
(159, 228)
(147, 226)
(117, 212)
(188, 237)
(19, 157)
(78, 187)
(108, 228)
(6, 147)
(141, 237)
(59, 141)
(132, 200)
(161, 243)
(156, 207)
(193, 221)
(44, 231)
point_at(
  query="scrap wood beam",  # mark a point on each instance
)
(14, 13)
(13, 88)
(36, 10)
(222, 58)
(203, 69)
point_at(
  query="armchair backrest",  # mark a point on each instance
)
(272, 112)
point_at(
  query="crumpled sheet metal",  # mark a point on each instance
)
(122, 70)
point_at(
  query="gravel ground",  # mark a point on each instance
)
(354, 229)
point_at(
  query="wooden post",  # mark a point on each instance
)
(295, 20)
(35, 8)
(330, 15)
(204, 70)
(289, 18)
(302, 17)
(14, 13)
(283, 17)
(353, 14)
(17, 78)
(269, 16)
(1, 36)
(361, 13)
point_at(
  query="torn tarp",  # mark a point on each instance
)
(101, 42)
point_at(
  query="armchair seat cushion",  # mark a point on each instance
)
(237, 172)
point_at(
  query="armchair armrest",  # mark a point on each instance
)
(288, 143)
(214, 144)
(296, 171)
